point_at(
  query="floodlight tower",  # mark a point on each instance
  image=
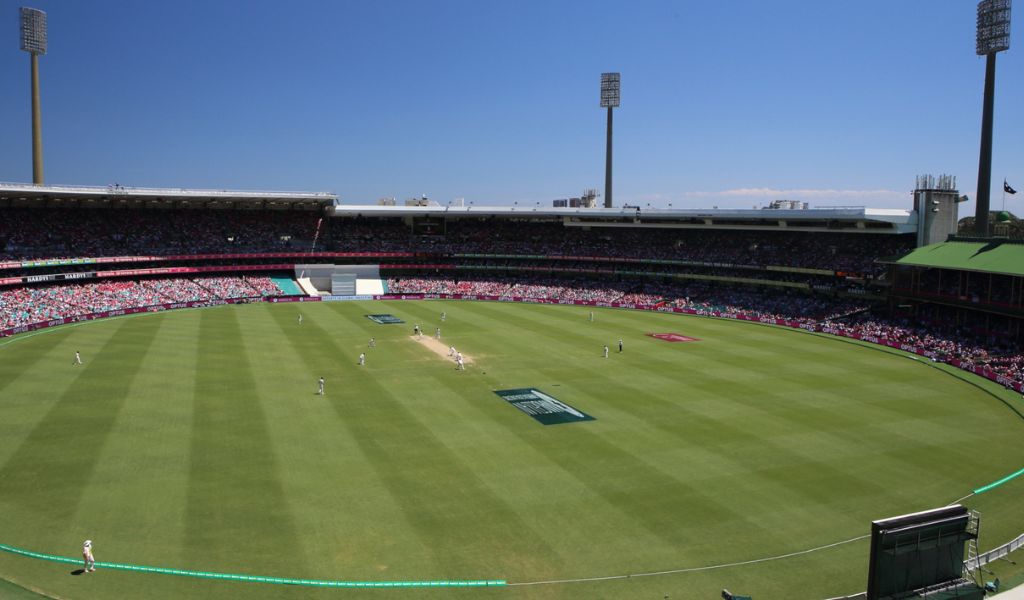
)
(993, 37)
(610, 99)
(33, 41)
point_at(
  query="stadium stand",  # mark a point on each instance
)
(834, 280)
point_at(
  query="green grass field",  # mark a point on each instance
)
(195, 440)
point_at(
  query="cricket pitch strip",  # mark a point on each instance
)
(439, 348)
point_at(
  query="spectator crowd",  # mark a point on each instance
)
(36, 234)
(21, 306)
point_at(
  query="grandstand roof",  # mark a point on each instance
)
(853, 219)
(25, 194)
(992, 256)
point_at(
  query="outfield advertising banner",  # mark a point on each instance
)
(672, 337)
(346, 298)
(546, 409)
(385, 319)
(276, 299)
(191, 257)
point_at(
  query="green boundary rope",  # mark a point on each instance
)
(986, 488)
(259, 578)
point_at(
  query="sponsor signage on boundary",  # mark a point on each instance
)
(384, 319)
(346, 298)
(276, 299)
(546, 409)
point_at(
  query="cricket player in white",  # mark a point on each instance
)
(443, 316)
(451, 350)
(459, 364)
(437, 333)
(591, 316)
(300, 318)
(78, 358)
(90, 562)
(362, 358)
(320, 391)
(606, 351)
(373, 343)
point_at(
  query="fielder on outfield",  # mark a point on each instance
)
(90, 562)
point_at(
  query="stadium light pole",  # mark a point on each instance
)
(33, 41)
(609, 99)
(993, 37)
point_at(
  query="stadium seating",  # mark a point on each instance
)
(25, 305)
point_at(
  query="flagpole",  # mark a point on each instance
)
(1004, 194)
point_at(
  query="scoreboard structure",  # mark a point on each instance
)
(923, 551)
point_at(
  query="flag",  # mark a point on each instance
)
(316, 234)
(1008, 189)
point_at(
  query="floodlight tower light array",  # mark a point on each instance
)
(993, 27)
(609, 90)
(33, 30)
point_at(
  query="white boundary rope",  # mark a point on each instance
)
(711, 567)
(694, 569)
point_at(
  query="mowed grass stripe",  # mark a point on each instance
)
(43, 474)
(789, 415)
(147, 455)
(625, 511)
(34, 373)
(377, 533)
(712, 454)
(237, 514)
(15, 355)
(552, 331)
(440, 496)
(346, 519)
(548, 496)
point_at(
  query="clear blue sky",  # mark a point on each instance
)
(723, 103)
